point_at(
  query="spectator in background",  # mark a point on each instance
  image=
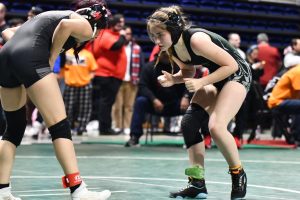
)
(33, 12)
(249, 108)
(156, 119)
(3, 24)
(287, 50)
(270, 55)
(235, 40)
(14, 22)
(292, 58)
(155, 99)
(78, 91)
(110, 54)
(122, 109)
(154, 53)
(285, 98)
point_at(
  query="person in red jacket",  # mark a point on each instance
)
(109, 52)
(270, 56)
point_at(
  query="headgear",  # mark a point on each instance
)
(174, 25)
(97, 16)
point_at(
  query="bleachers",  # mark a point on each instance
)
(222, 16)
(226, 5)
(189, 3)
(20, 7)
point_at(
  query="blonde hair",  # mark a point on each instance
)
(160, 17)
(170, 55)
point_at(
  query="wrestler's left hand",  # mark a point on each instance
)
(193, 84)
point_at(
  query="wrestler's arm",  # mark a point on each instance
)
(168, 79)
(186, 71)
(203, 46)
(75, 27)
(9, 32)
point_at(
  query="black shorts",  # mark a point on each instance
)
(24, 59)
(243, 76)
(21, 71)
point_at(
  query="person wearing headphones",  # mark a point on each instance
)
(218, 96)
(43, 38)
(110, 53)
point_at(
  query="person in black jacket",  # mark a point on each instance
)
(155, 99)
(248, 110)
(110, 54)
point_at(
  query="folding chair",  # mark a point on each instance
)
(280, 122)
(150, 128)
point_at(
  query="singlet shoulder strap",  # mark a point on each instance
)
(186, 36)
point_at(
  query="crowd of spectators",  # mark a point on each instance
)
(115, 86)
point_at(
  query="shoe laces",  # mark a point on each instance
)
(236, 180)
(188, 185)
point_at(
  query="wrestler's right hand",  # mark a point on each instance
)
(166, 80)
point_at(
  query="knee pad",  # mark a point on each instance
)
(192, 121)
(16, 124)
(61, 129)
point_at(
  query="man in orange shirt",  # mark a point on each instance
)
(285, 98)
(110, 54)
(78, 90)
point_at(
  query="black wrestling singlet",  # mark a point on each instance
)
(243, 75)
(24, 59)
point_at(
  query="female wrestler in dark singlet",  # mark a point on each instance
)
(26, 62)
(217, 97)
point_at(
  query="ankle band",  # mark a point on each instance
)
(196, 172)
(235, 170)
(71, 180)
